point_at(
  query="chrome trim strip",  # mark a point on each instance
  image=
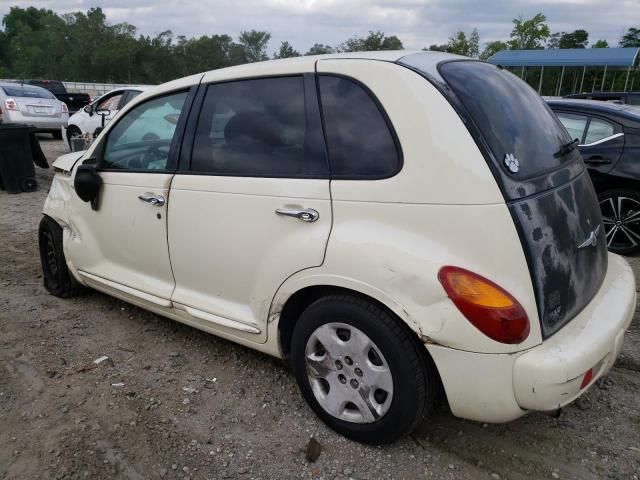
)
(602, 140)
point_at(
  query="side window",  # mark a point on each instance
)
(111, 102)
(359, 139)
(130, 95)
(575, 124)
(598, 129)
(256, 128)
(142, 137)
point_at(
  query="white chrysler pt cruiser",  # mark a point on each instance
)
(395, 224)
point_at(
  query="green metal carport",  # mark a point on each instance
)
(614, 58)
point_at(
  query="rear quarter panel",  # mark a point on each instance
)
(390, 237)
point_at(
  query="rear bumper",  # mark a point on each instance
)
(41, 123)
(502, 387)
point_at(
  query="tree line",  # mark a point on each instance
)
(84, 46)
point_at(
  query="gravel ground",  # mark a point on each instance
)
(173, 402)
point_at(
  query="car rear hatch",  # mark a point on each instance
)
(543, 179)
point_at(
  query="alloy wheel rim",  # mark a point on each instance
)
(621, 218)
(348, 374)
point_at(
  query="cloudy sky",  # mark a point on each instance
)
(417, 23)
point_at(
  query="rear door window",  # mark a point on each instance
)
(359, 137)
(598, 130)
(512, 117)
(575, 124)
(257, 128)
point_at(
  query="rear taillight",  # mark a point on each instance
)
(10, 104)
(65, 109)
(488, 307)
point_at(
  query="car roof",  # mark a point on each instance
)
(618, 110)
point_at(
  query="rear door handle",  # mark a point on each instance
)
(597, 160)
(153, 199)
(304, 214)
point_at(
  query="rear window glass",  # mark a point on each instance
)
(598, 130)
(513, 119)
(54, 86)
(24, 91)
(360, 141)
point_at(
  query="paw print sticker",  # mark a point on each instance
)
(512, 163)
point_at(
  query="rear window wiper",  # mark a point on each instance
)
(566, 148)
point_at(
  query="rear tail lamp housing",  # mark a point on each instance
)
(10, 104)
(65, 109)
(487, 306)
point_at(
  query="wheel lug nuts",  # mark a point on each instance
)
(348, 360)
(354, 383)
(342, 378)
(358, 372)
(339, 365)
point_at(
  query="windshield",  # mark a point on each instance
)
(25, 91)
(513, 119)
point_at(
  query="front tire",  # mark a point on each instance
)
(361, 370)
(57, 278)
(620, 209)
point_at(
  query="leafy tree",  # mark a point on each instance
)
(491, 48)
(631, 38)
(286, 51)
(373, 42)
(576, 39)
(320, 49)
(254, 43)
(529, 34)
(437, 48)
(461, 45)
(600, 44)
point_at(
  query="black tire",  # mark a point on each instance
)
(57, 279)
(57, 134)
(415, 380)
(625, 240)
(72, 131)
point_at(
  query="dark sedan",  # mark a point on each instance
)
(608, 137)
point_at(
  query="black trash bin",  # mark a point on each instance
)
(19, 148)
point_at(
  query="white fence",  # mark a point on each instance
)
(93, 89)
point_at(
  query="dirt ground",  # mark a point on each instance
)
(174, 402)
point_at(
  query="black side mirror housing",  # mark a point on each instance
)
(87, 184)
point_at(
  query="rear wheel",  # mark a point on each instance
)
(621, 216)
(361, 370)
(57, 279)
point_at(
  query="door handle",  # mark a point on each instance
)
(153, 199)
(304, 214)
(597, 160)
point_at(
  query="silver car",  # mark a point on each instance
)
(35, 106)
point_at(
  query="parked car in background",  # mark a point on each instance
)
(88, 121)
(608, 137)
(630, 98)
(30, 105)
(391, 222)
(73, 101)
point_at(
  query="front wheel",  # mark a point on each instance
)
(621, 216)
(58, 280)
(361, 371)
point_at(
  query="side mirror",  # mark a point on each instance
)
(87, 184)
(88, 109)
(103, 112)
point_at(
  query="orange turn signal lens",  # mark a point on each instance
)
(488, 307)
